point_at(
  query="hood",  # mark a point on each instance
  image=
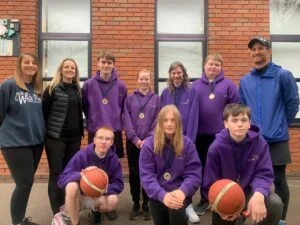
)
(112, 78)
(150, 93)
(218, 78)
(271, 71)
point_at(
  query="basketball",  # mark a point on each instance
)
(226, 197)
(93, 183)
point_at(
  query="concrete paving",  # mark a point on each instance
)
(39, 207)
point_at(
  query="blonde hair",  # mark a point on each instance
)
(185, 82)
(58, 77)
(36, 80)
(160, 137)
(145, 70)
(106, 128)
(215, 57)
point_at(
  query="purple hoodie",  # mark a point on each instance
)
(137, 128)
(97, 113)
(211, 111)
(185, 170)
(248, 162)
(188, 107)
(87, 157)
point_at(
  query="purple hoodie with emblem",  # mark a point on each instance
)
(98, 114)
(187, 102)
(137, 128)
(185, 170)
(211, 110)
(87, 157)
(248, 163)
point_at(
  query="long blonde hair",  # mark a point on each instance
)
(160, 137)
(36, 80)
(58, 77)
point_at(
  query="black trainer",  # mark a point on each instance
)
(202, 207)
(146, 214)
(28, 221)
(112, 215)
(95, 218)
(135, 212)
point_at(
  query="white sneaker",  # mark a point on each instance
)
(191, 214)
(58, 219)
(64, 213)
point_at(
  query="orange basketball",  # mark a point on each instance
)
(226, 197)
(93, 183)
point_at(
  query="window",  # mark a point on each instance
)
(285, 37)
(180, 36)
(65, 33)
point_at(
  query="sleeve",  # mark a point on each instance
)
(291, 96)
(158, 108)
(72, 171)
(241, 92)
(148, 173)
(212, 171)
(264, 176)
(116, 184)
(233, 93)
(192, 172)
(124, 96)
(193, 116)
(47, 100)
(5, 95)
(85, 100)
(129, 129)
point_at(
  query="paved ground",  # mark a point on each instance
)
(39, 207)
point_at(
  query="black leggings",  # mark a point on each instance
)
(22, 163)
(282, 188)
(59, 154)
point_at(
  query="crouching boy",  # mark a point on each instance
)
(99, 154)
(240, 153)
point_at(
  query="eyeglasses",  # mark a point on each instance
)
(102, 138)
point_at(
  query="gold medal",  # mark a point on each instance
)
(142, 115)
(167, 176)
(104, 101)
(211, 96)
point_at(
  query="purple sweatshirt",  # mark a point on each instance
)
(87, 157)
(185, 170)
(211, 110)
(248, 163)
(97, 113)
(188, 105)
(137, 128)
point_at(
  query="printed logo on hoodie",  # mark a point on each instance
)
(26, 97)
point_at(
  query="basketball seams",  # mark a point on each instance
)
(220, 195)
(91, 185)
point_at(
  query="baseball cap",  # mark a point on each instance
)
(261, 40)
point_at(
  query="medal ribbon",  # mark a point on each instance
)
(212, 86)
(144, 105)
(106, 92)
(169, 157)
(177, 96)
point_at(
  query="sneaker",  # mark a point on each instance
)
(135, 212)
(64, 213)
(58, 219)
(202, 207)
(191, 214)
(281, 222)
(146, 214)
(28, 221)
(95, 218)
(112, 215)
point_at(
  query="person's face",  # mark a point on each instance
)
(177, 76)
(144, 81)
(68, 71)
(260, 54)
(238, 126)
(29, 67)
(105, 66)
(212, 69)
(103, 140)
(169, 124)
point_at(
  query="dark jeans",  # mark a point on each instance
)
(59, 154)
(274, 210)
(162, 215)
(133, 154)
(202, 144)
(22, 163)
(118, 142)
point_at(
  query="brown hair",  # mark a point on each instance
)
(185, 81)
(160, 137)
(235, 109)
(104, 54)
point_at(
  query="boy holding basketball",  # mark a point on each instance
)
(240, 153)
(100, 154)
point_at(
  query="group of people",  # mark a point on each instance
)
(189, 137)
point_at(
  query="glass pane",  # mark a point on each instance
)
(284, 16)
(287, 55)
(55, 51)
(189, 53)
(67, 16)
(161, 86)
(180, 17)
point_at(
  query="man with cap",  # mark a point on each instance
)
(272, 94)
